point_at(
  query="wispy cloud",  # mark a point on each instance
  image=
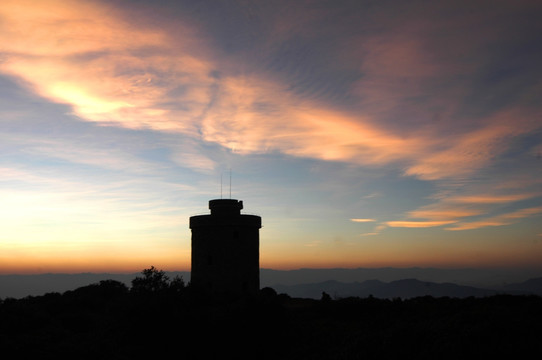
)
(376, 230)
(467, 206)
(491, 198)
(123, 81)
(258, 115)
(363, 220)
(443, 212)
(132, 75)
(142, 78)
(417, 224)
(313, 244)
(459, 211)
(500, 220)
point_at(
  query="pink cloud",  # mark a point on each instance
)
(443, 212)
(459, 208)
(80, 54)
(418, 224)
(491, 198)
(461, 155)
(500, 220)
(295, 126)
(115, 73)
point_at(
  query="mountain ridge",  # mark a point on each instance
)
(340, 281)
(405, 288)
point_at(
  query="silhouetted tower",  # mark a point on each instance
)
(226, 250)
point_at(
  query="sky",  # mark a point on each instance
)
(364, 133)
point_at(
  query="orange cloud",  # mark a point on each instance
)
(69, 27)
(477, 225)
(79, 53)
(440, 212)
(255, 114)
(461, 207)
(522, 213)
(417, 224)
(471, 151)
(252, 114)
(111, 71)
(500, 220)
(362, 220)
(490, 199)
(404, 65)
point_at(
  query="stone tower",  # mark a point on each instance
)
(226, 250)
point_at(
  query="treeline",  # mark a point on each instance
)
(158, 316)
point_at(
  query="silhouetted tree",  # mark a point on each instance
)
(113, 287)
(105, 289)
(268, 292)
(177, 285)
(325, 297)
(153, 280)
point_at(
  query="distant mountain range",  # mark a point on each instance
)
(18, 286)
(406, 288)
(482, 277)
(402, 282)
(310, 283)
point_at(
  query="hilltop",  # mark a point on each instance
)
(109, 320)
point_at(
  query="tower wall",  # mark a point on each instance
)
(226, 250)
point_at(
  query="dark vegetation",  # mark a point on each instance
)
(159, 316)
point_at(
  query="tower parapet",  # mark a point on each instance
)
(225, 206)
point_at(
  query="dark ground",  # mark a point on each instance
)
(110, 321)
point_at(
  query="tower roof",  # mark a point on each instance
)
(225, 206)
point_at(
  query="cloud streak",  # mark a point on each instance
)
(500, 220)
(417, 224)
(463, 210)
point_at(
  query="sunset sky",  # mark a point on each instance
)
(364, 133)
